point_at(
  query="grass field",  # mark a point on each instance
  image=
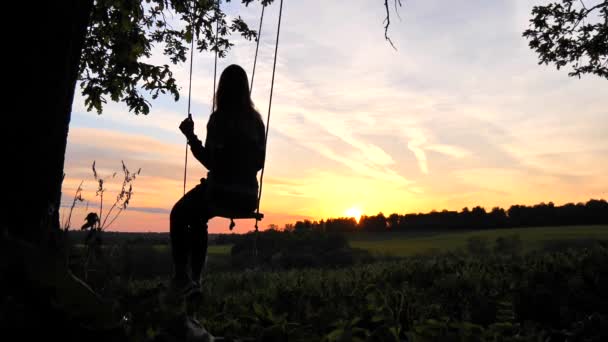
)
(438, 297)
(412, 243)
(405, 244)
(219, 249)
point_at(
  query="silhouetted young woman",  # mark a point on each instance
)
(233, 154)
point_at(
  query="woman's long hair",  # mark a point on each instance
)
(232, 96)
(233, 106)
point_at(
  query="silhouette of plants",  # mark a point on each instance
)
(97, 222)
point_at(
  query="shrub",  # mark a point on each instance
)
(478, 245)
(508, 245)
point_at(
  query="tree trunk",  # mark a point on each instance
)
(35, 166)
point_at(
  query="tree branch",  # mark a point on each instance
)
(387, 21)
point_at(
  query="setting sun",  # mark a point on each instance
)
(354, 212)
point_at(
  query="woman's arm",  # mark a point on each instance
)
(199, 151)
(196, 146)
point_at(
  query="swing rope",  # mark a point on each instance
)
(257, 47)
(190, 81)
(255, 60)
(189, 91)
(274, 68)
(217, 29)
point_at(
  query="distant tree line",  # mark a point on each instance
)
(544, 214)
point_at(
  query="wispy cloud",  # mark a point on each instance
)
(460, 115)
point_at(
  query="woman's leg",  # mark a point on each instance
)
(198, 240)
(179, 238)
(198, 232)
(189, 233)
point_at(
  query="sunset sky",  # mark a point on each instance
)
(460, 115)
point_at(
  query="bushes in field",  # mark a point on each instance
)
(508, 245)
(480, 246)
(298, 249)
(476, 296)
(545, 296)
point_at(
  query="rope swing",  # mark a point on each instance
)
(256, 215)
(190, 89)
(274, 68)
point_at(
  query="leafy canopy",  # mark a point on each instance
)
(122, 34)
(571, 32)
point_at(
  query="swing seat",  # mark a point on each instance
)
(236, 215)
(222, 202)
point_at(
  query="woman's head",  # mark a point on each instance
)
(233, 91)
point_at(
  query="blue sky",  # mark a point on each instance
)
(460, 115)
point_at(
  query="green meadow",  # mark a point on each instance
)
(407, 244)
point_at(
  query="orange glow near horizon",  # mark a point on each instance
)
(318, 196)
